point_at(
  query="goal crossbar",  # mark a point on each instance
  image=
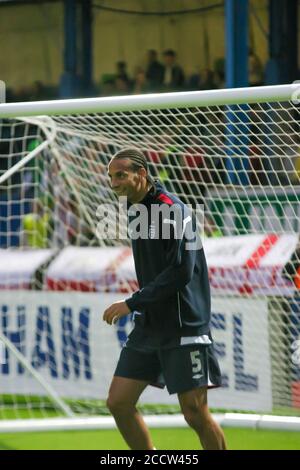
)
(232, 96)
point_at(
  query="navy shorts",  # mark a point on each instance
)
(181, 369)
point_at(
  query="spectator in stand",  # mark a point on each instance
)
(107, 87)
(154, 71)
(211, 230)
(286, 158)
(203, 80)
(141, 84)
(36, 225)
(195, 171)
(207, 81)
(173, 78)
(194, 80)
(257, 174)
(20, 94)
(121, 72)
(121, 85)
(255, 69)
(219, 72)
(37, 91)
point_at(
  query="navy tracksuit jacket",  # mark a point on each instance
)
(173, 303)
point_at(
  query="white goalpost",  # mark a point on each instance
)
(236, 151)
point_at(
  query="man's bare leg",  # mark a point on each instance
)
(123, 396)
(196, 413)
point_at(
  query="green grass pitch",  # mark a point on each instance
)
(164, 439)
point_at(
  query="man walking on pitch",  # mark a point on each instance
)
(170, 343)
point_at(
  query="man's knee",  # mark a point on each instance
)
(124, 394)
(113, 404)
(117, 406)
(196, 417)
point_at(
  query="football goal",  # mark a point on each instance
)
(236, 152)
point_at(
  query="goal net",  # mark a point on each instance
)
(63, 260)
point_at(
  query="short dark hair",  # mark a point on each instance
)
(136, 156)
(121, 64)
(137, 159)
(170, 52)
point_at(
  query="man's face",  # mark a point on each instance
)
(151, 56)
(169, 60)
(123, 180)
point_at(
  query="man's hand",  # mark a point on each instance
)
(117, 310)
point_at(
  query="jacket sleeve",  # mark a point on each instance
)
(179, 268)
